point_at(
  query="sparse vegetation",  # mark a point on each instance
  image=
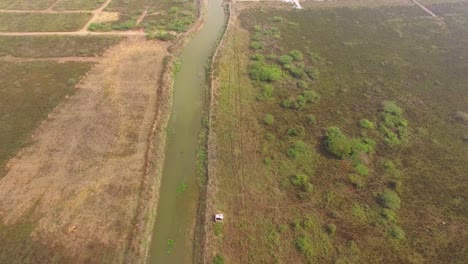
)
(373, 81)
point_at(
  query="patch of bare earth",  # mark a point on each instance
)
(82, 174)
(106, 17)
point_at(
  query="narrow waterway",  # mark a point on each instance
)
(173, 235)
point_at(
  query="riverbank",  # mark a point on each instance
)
(138, 251)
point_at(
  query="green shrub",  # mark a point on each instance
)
(177, 65)
(304, 245)
(392, 108)
(356, 180)
(288, 103)
(390, 137)
(365, 123)
(397, 233)
(258, 57)
(298, 131)
(217, 228)
(302, 84)
(366, 145)
(301, 102)
(297, 55)
(264, 72)
(389, 199)
(125, 25)
(311, 96)
(272, 56)
(389, 215)
(296, 72)
(173, 10)
(313, 73)
(267, 92)
(269, 119)
(361, 169)
(331, 229)
(300, 179)
(391, 168)
(99, 27)
(337, 143)
(255, 45)
(285, 59)
(297, 149)
(218, 259)
(164, 36)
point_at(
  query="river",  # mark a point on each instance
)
(173, 235)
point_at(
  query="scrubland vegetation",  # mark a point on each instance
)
(340, 137)
(161, 19)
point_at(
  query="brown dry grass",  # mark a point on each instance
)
(81, 176)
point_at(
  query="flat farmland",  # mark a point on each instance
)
(31, 5)
(55, 46)
(341, 136)
(42, 22)
(29, 91)
(77, 112)
(78, 4)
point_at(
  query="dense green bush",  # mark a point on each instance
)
(394, 125)
(397, 233)
(285, 59)
(258, 57)
(297, 55)
(337, 143)
(391, 108)
(389, 215)
(302, 180)
(304, 245)
(269, 119)
(264, 72)
(296, 72)
(297, 149)
(331, 229)
(256, 45)
(218, 259)
(367, 124)
(389, 199)
(365, 145)
(361, 169)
